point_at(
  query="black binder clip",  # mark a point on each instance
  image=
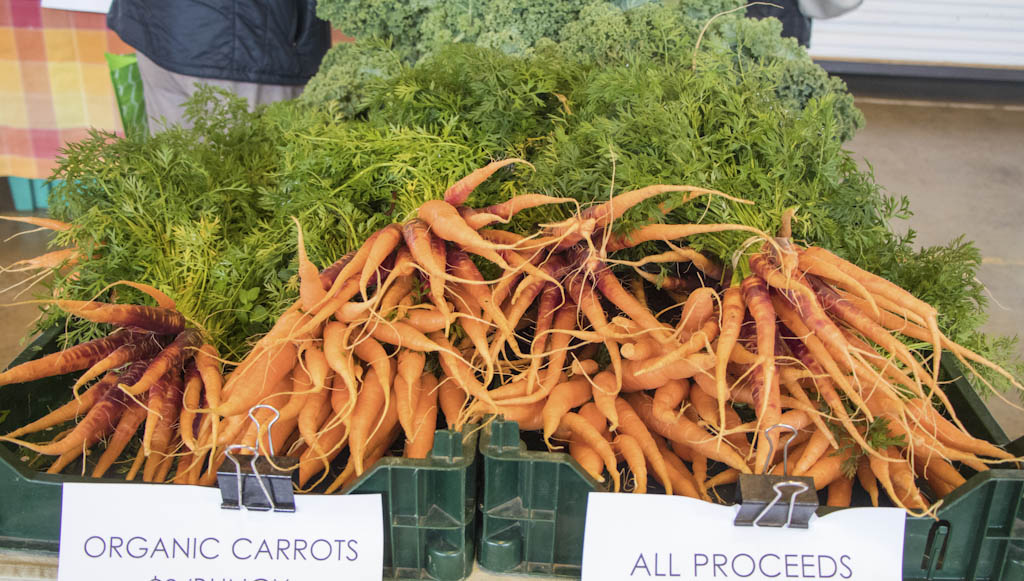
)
(768, 500)
(263, 483)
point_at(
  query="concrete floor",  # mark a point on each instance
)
(961, 165)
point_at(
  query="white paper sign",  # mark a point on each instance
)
(101, 6)
(142, 532)
(638, 536)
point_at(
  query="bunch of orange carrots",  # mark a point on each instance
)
(406, 331)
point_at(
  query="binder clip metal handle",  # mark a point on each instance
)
(761, 495)
(265, 483)
(785, 449)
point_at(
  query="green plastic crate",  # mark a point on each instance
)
(429, 504)
(533, 507)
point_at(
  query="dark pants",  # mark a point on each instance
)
(794, 23)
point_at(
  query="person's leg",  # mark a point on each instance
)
(165, 92)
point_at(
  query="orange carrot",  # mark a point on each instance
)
(407, 387)
(733, 312)
(634, 456)
(683, 482)
(47, 223)
(311, 417)
(457, 369)
(932, 422)
(425, 320)
(420, 440)
(371, 405)
(681, 369)
(402, 335)
(311, 291)
(326, 445)
(457, 193)
(630, 424)
(672, 232)
(605, 392)
(867, 479)
(190, 402)
(452, 400)
(581, 428)
(55, 259)
(504, 211)
(268, 363)
(817, 447)
(840, 492)
(563, 398)
(695, 343)
(587, 458)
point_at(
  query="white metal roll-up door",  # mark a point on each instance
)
(959, 33)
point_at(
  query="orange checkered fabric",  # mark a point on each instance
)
(54, 83)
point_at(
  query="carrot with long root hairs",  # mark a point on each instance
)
(687, 432)
(45, 223)
(81, 356)
(880, 286)
(168, 387)
(70, 410)
(457, 193)
(100, 420)
(145, 346)
(734, 310)
(459, 371)
(686, 368)
(126, 429)
(504, 211)
(270, 361)
(666, 232)
(766, 395)
(170, 357)
(697, 341)
(48, 260)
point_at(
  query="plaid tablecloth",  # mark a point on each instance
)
(54, 83)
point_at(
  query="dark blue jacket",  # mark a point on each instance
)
(277, 42)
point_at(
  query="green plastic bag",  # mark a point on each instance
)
(124, 73)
